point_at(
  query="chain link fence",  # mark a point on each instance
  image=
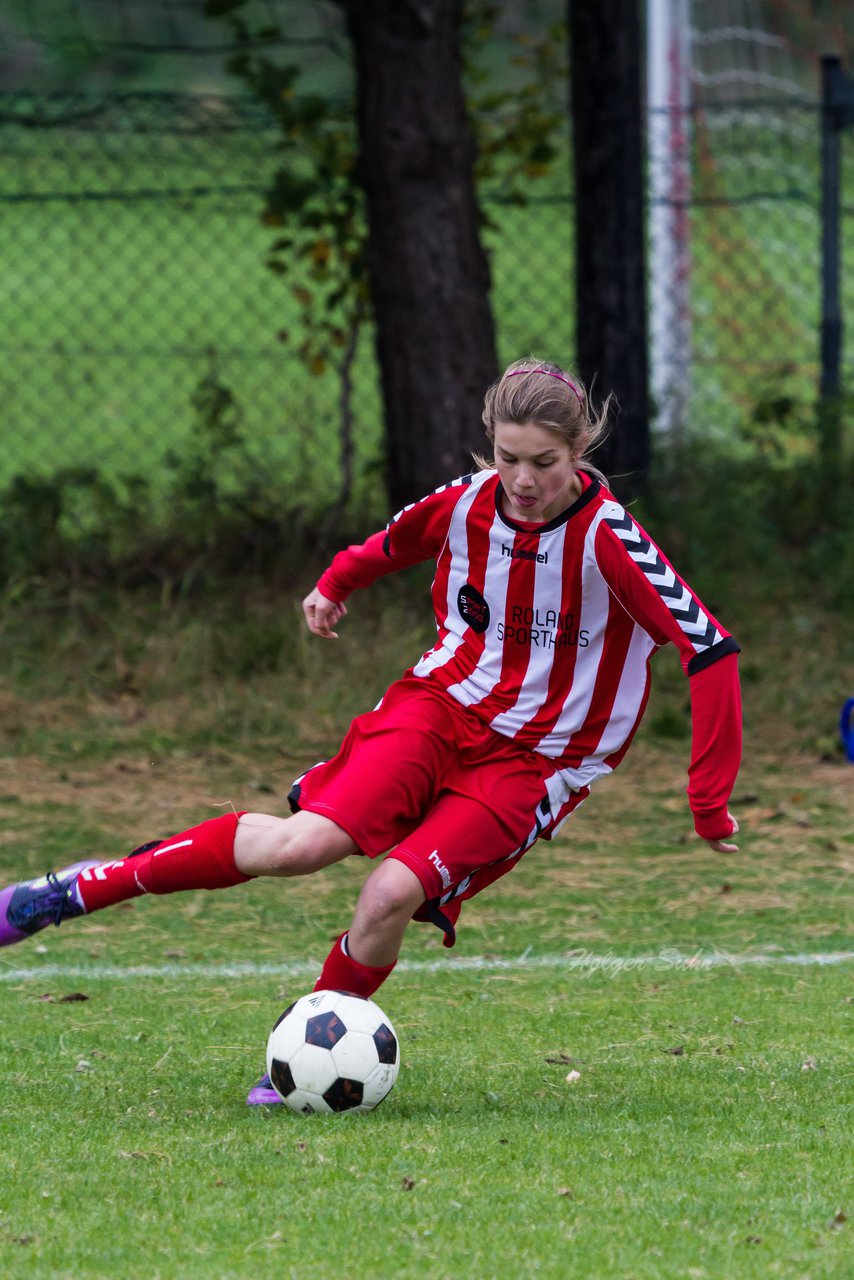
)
(138, 311)
(136, 285)
(134, 269)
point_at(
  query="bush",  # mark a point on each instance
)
(779, 524)
(762, 516)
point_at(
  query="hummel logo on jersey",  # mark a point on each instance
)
(519, 553)
(441, 868)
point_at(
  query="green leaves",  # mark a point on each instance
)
(518, 106)
(315, 202)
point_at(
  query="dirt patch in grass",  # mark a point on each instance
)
(798, 820)
(101, 760)
(138, 796)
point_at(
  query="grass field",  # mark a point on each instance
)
(704, 1001)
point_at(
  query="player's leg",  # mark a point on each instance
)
(216, 854)
(373, 790)
(548, 818)
(379, 787)
(493, 808)
(390, 897)
(459, 837)
(383, 779)
(496, 805)
(295, 846)
(362, 958)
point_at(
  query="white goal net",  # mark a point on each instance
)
(734, 181)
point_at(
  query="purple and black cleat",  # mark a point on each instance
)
(263, 1094)
(27, 907)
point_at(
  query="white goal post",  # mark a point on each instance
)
(669, 169)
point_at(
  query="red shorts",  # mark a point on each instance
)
(457, 802)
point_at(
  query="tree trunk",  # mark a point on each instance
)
(610, 279)
(429, 273)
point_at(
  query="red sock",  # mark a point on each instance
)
(342, 973)
(200, 858)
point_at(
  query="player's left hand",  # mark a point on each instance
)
(322, 615)
(723, 846)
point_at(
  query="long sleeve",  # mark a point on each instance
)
(356, 566)
(415, 534)
(715, 745)
(651, 592)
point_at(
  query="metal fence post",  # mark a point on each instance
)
(837, 112)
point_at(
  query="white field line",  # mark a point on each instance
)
(582, 961)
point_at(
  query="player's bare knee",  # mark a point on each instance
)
(391, 892)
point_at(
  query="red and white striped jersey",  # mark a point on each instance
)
(545, 633)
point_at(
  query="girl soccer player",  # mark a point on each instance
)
(550, 601)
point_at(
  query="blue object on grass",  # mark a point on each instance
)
(846, 728)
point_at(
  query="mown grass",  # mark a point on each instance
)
(706, 1133)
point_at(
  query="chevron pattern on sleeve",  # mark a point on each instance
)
(451, 484)
(684, 607)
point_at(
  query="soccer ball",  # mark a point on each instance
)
(330, 1051)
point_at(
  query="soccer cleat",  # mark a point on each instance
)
(31, 905)
(263, 1094)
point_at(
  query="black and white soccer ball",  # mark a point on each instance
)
(331, 1051)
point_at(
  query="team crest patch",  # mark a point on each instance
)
(473, 608)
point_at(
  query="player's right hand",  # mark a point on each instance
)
(724, 845)
(322, 614)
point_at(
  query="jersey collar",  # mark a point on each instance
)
(590, 492)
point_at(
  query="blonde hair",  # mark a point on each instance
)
(534, 391)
